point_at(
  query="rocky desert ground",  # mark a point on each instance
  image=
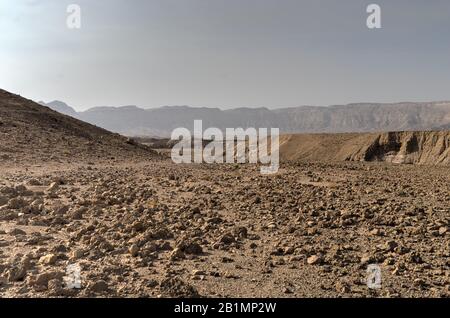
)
(137, 225)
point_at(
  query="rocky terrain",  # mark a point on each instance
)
(164, 230)
(137, 225)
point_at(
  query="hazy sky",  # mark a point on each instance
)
(225, 53)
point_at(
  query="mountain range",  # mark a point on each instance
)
(358, 117)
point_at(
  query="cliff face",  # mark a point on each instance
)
(425, 147)
(420, 147)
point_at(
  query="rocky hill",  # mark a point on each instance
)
(32, 132)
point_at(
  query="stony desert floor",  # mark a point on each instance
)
(155, 229)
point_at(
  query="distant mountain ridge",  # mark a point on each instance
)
(361, 117)
(60, 107)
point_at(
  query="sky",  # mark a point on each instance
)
(225, 53)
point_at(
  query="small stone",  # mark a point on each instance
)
(78, 213)
(49, 259)
(365, 259)
(227, 239)
(53, 187)
(17, 203)
(226, 259)
(177, 254)
(76, 254)
(390, 245)
(198, 273)
(134, 250)
(191, 248)
(16, 231)
(61, 210)
(3, 200)
(55, 286)
(313, 260)
(443, 230)
(419, 282)
(342, 287)
(375, 232)
(34, 182)
(44, 278)
(16, 274)
(99, 287)
(288, 290)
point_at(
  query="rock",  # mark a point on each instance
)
(17, 203)
(365, 259)
(61, 209)
(19, 271)
(314, 259)
(53, 187)
(390, 245)
(442, 230)
(76, 254)
(418, 282)
(34, 182)
(227, 259)
(3, 281)
(227, 239)
(3, 200)
(177, 254)
(342, 287)
(198, 273)
(16, 231)
(190, 247)
(21, 189)
(78, 213)
(98, 287)
(416, 258)
(134, 250)
(59, 249)
(196, 210)
(49, 259)
(240, 232)
(288, 290)
(375, 232)
(55, 286)
(175, 287)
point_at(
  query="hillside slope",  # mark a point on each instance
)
(29, 131)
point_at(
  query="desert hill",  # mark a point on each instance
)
(33, 132)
